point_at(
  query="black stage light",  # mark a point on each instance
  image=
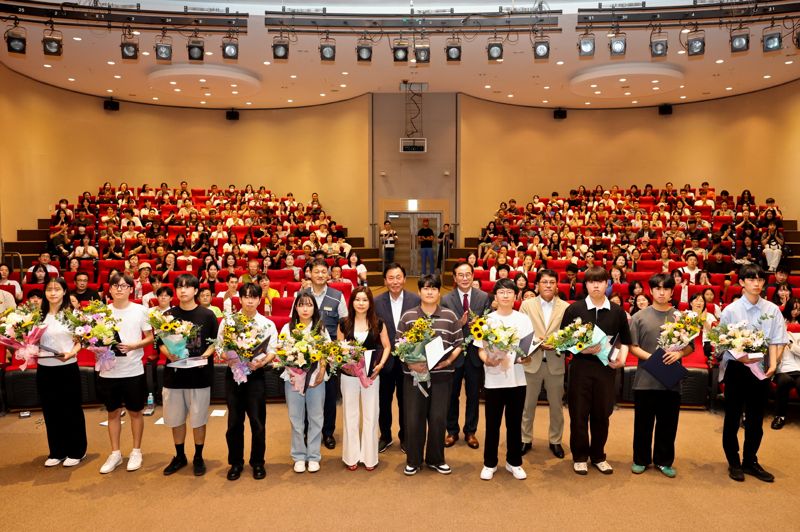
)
(280, 47)
(196, 49)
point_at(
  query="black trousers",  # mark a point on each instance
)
(512, 400)
(785, 383)
(426, 416)
(473, 378)
(60, 391)
(659, 410)
(329, 408)
(390, 382)
(247, 398)
(744, 392)
(591, 402)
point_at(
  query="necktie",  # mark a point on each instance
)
(465, 304)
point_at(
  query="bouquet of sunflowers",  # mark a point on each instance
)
(348, 356)
(174, 333)
(676, 335)
(21, 329)
(297, 352)
(575, 337)
(240, 339)
(410, 347)
(97, 330)
(497, 340)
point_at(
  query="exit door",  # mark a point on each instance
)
(407, 224)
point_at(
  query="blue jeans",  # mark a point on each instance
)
(426, 256)
(298, 404)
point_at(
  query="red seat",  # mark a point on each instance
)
(345, 288)
(282, 276)
(487, 286)
(654, 266)
(280, 321)
(282, 306)
(351, 275)
(292, 288)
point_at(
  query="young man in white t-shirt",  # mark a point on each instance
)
(125, 384)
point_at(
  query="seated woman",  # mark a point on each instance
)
(354, 263)
(782, 295)
(788, 374)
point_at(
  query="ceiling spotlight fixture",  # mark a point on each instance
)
(659, 43)
(16, 38)
(771, 39)
(541, 46)
(364, 49)
(129, 44)
(696, 42)
(452, 49)
(586, 44)
(617, 44)
(740, 40)
(195, 47)
(230, 47)
(422, 50)
(494, 49)
(327, 48)
(163, 46)
(280, 47)
(400, 50)
(52, 41)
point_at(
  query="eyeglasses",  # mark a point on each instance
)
(121, 286)
(547, 282)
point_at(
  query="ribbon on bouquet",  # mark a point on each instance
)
(239, 367)
(28, 349)
(104, 357)
(300, 379)
(358, 370)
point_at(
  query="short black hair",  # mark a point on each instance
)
(457, 265)
(546, 272)
(595, 273)
(319, 262)
(250, 290)
(507, 284)
(752, 271)
(571, 267)
(662, 280)
(165, 290)
(393, 266)
(505, 267)
(81, 272)
(429, 281)
(36, 293)
(117, 277)
(187, 280)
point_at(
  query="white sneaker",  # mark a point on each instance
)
(487, 473)
(581, 468)
(313, 467)
(72, 462)
(134, 460)
(113, 460)
(604, 467)
(299, 467)
(517, 471)
(52, 462)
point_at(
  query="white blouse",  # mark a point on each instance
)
(59, 338)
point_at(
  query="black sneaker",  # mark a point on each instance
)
(444, 469)
(757, 471)
(778, 422)
(410, 471)
(383, 445)
(177, 463)
(199, 467)
(736, 473)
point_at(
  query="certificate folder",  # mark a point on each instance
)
(667, 374)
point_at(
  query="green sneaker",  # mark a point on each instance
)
(637, 469)
(668, 471)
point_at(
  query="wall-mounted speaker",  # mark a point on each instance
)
(231, 115)
(111, 105)
(559, 114)
(665, 109)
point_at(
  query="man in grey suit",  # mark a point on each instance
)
(390, 306)
(468, 368)
(547, 365)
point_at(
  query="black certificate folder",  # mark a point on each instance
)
(667, 374)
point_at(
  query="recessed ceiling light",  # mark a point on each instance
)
(267, 63)
(683, 97)
(117, 76)
(654, 81)
(656, 88)
(47, 66)
(767, 76)
(635, 101)
(201, 80)
(109, 90)
(202, 102)
(234, 92)
(248, 103)
(155, 98)
(728, 88)
(559, 63)
(234, 85)
(627, 94)
(588, 103)
(510, 95)
(789, 62)
(173, 82)
(345, 73)
(207, 94)
(682, 86)
(209, 53)
(720, 61)
(322, 94)
(110, 63)
(290, 101)
(545, 101)
(293, 76)
(487, 86)
(77, 39)
(598, 92)
(547, 87)
(145, 53)
(70, 79)
(177, 90)
(681, 52)
(623, 80)
(593, 85)
(342, 85)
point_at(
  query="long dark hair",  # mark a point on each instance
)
(302, 296)
(349, 323)
(63, 284)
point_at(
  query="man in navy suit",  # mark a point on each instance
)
(469, 368)
(390, 306)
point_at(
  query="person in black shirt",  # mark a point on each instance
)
(425, 239)
(187, 390)
(82, 291)
(591, 383)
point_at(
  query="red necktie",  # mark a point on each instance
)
(465, 304)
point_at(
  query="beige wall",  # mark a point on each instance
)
(750, 141)
(55, 143)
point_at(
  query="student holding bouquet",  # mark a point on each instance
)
(426, 404)
(187, 390)
(310, 403)
(248, 397)
(125, 383)
(362, 325)
(59, 382)
(591, 383)
(744, 392)
(655, 405)
(505, 384)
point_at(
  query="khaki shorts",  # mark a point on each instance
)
(180, 402)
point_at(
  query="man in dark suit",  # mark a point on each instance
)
(469, 368)
(390, 306)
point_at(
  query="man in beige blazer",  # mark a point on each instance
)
(547, 365)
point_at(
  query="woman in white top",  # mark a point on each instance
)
(354, 263)
(306, 443)
(58, 380)
(363, 326)
(85, 250)
(504, 386)
(5, 271)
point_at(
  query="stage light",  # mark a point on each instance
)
(740, 40)
(422, 51)
(327, 49)
(280, 47)
(771, 39)
(617, 44)
(196, 49)
(16, 39)
(586, 45)
(541, 47)
(696, 42)
(129, 45)
(230, 47)
(163, 47)
(364, 49)
(452, 49)
(494, 49)
(659, 44)
(52, 42)
(400, 50)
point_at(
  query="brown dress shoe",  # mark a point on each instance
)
(450, 440)
(472, 441)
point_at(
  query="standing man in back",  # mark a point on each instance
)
(425, 239)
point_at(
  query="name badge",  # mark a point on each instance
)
(327, 309)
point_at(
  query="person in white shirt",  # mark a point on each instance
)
(44, 260)
(691, 267)
(5, 271)
(505, 385)
(155, 283)
(788, 374)
(232, 291)
(125, 383)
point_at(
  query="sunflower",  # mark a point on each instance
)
(300, 326)
(166, 327)
(478, 335)
(339, 359)
(475, 330)
(282, 336)
(579, 346)
(480, 322)
(315, 357)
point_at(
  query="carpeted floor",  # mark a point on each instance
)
(553, 497)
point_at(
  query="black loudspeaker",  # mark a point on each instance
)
(231, 115)
(110, 105)
(665, 109)
(559, 114)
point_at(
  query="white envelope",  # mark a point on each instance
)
(186, 363)
(435, 351)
